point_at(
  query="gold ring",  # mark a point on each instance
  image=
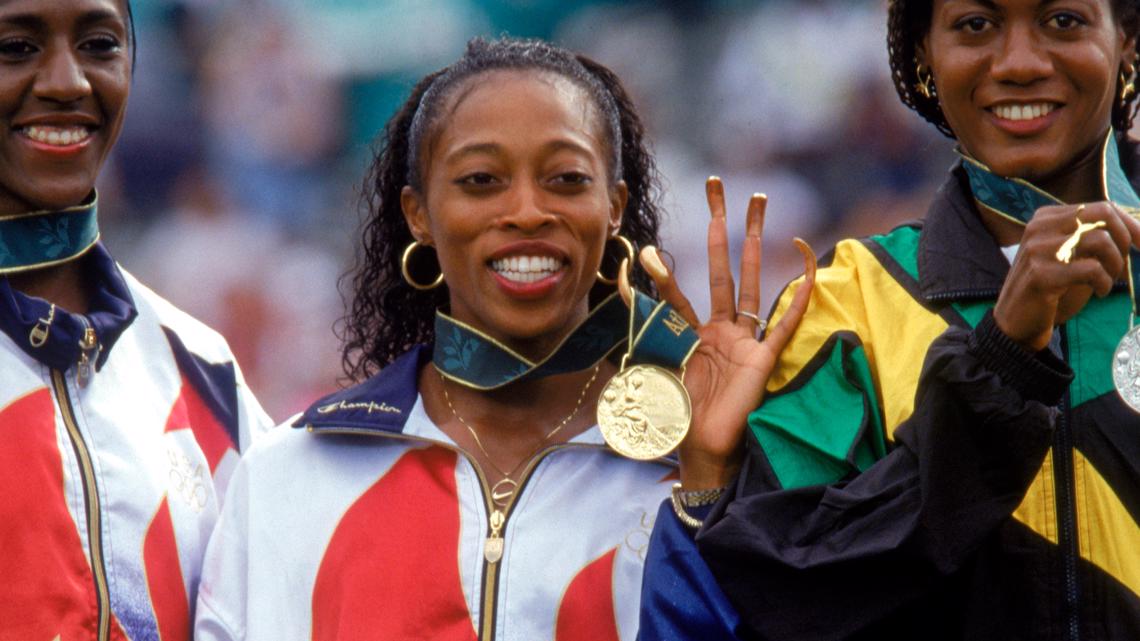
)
(1069, 247)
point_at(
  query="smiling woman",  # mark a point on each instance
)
(64, 99)
(120, 417)
(461, 489)
(520, 147)
(948, 448)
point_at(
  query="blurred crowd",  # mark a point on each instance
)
(235, 188)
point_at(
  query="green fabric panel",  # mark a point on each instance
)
(806, 433)
(973, 311)
(1092, 337)
(872, 446)
(902, 245)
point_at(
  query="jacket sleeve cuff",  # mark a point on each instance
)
(1040, 377)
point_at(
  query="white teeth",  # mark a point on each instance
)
(58, 136)
(1023, 112)
(526, 269)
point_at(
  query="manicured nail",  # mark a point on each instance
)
(624, 287)
(809, 257)
(653, 264)
(714, 187)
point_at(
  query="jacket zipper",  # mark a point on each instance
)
(90, 500)
(968, 294)
(88, 352)
(1063, 488)
(493, 544)
(1063, 485)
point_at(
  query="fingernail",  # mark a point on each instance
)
(755, 222)
(809, 257)
(623, 281)
(714, 187)
(652, 262)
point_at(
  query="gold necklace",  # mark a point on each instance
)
(504, 489)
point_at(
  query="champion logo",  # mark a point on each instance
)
(370, 407)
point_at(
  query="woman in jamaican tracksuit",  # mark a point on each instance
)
(950, 446)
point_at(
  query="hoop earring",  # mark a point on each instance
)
(408, 275)
(1127, 84)
(628, 250)
(924, 86)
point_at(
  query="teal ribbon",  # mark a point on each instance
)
(1017, 199)
(46, 238)
(660, 337)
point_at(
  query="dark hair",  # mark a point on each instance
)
(386, 316)
(908, 22)
(132, 41)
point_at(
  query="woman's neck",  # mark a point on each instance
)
(1081, 182)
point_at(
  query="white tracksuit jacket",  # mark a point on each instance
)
(115, 448)
(370, 524)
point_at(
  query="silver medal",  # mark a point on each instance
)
(1126, 368)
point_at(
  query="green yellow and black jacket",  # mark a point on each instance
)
(914, 474)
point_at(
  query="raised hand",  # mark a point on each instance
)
(727, 374)
(1042, 289)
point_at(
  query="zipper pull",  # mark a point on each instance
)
(493, 546)
(88, 344)
(39, 334)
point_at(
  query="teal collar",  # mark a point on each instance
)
(1017, 199)
(45, 238)
(659, 336)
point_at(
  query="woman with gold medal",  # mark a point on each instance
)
(950, 446)
(461, 490)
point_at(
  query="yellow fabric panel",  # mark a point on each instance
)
(1109, 537)
(1038, 510)
(835, 305)
(855, 294)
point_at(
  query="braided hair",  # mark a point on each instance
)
(385, 315)
(908, 22)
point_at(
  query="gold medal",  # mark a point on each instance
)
(644, 412)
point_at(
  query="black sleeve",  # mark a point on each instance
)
(826, 561)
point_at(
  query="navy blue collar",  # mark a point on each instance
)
(57, 344)
(381, 403)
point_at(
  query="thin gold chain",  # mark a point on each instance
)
(479, 442)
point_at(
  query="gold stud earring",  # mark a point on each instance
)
(1127, 83)
(925, 82)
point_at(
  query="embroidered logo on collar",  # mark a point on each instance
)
(370, 407)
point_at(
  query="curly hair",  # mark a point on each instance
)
(386, 316)
(908, 22)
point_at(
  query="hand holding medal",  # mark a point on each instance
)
(726, 374)
(1043, 290)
